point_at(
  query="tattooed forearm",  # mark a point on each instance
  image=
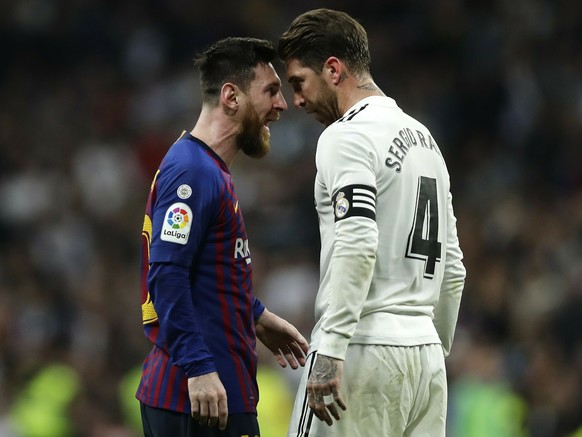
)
(324, 369)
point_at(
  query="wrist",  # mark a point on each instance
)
(199, 368)
(263, 316)
(333, 345)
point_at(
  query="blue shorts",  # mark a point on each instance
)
(163, 423)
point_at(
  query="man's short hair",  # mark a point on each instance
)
(231, 60)
(316, 35)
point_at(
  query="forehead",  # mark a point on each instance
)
(265, 75)
(296, 70)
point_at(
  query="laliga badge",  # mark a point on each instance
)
(177, 224)
(341, 205)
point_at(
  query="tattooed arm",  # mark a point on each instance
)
(325, 380)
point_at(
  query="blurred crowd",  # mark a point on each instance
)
(93, 92)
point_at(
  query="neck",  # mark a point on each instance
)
(353, 89)
(218, 132)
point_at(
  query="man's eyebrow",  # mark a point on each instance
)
(274, 83)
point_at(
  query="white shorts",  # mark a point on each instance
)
(390, 391)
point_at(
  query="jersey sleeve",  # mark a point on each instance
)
(186, 205)
(180, 332)
(258, 308)
(187, 202)
(447, 309)
(346, 164)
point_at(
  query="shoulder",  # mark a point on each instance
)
(188, 162)
(343, 132)
(364, 118)
(351, 134)
(188, 156)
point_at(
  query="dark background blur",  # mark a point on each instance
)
(93, 92)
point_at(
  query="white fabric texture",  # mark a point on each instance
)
(395, 278)
(389, 391)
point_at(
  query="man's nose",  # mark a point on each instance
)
(298, 101)
(281, 103)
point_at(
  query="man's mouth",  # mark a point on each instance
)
(270, 120)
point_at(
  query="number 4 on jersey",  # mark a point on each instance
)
(423, 241)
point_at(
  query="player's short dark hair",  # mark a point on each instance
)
(231, 60)
(316, 35)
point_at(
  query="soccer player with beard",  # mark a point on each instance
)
(198, 306)
(391, 265)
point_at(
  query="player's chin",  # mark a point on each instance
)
(265, 132)
(321, 118)
(261, 147)
(265, 142)
(265, 136)
(317, 115)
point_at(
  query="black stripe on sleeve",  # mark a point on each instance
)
(354, 201)
(306, 413)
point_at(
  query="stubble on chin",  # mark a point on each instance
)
(254, 139)
(326, 111)
(263, 144)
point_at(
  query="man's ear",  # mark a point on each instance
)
(229, 97)
(335, 70)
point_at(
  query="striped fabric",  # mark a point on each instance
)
(197, 302)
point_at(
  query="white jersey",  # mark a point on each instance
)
(391, 266)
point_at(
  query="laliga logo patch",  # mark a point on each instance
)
(184, 191)
(341, 205)
(178, 218)
(176, 227)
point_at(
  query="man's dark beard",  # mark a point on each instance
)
(252, 139)
(327, 107)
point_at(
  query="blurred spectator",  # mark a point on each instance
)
(482, 402)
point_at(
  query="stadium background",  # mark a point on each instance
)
(92, 93)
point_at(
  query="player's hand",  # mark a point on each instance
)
(208, 399)
(323, 388)
(283, 339)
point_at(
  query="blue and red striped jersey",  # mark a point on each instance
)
(197, 301)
